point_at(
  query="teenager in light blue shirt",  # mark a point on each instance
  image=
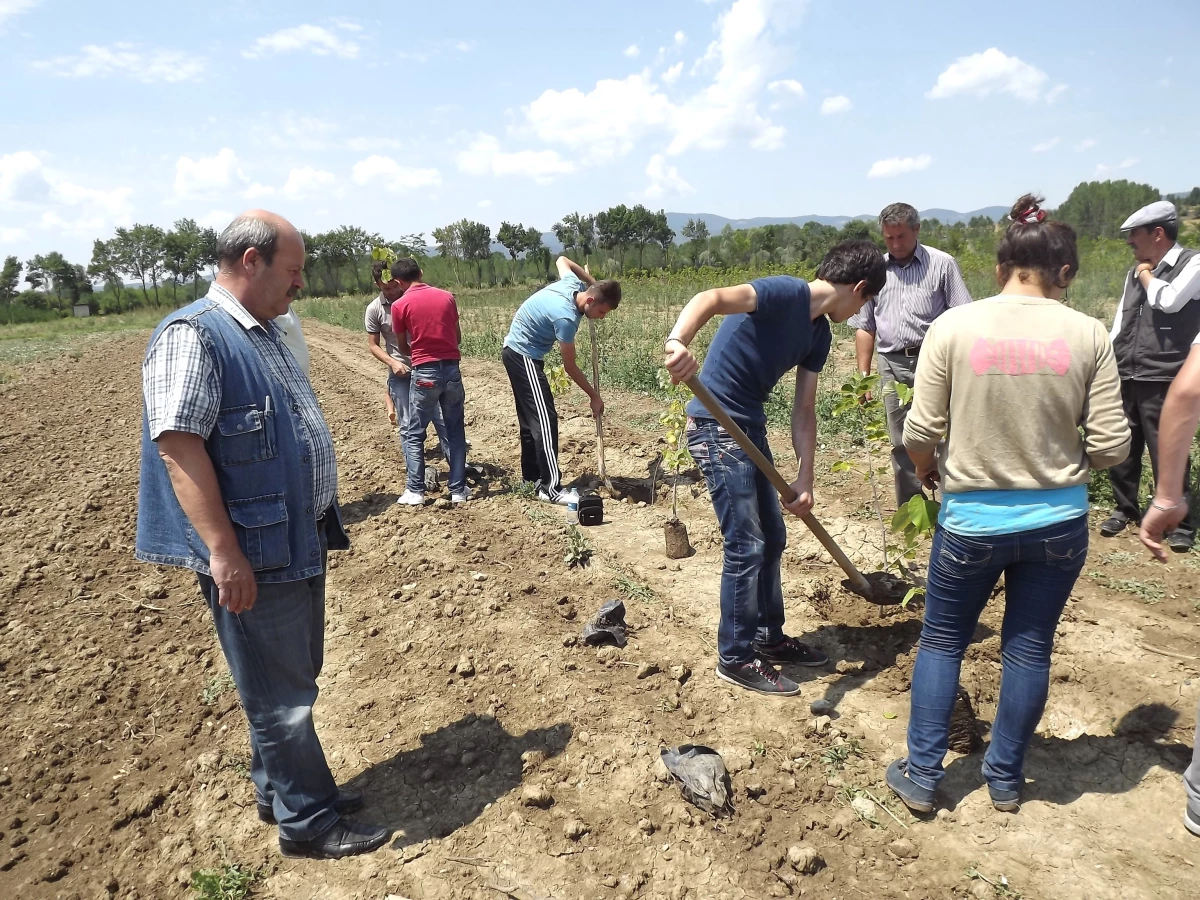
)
(552, 314)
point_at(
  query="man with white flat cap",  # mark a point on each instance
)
(1155, 325)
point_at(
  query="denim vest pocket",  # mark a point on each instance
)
(261, 524)
(246, 435)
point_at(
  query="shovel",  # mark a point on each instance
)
(877, 587)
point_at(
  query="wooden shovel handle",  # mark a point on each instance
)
(778, 481)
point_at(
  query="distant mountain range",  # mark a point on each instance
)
(716, 223)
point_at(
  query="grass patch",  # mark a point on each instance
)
(230, 882)
(1146, 591)
(216, 687)
(1118, 558)
(25, 342)
(631, 588)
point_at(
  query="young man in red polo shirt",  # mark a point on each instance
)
(429, 316)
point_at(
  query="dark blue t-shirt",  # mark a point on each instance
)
(751, 351)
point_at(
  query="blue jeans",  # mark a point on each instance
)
(1040, 567)
(275, 651)
(436, 385)
(751, 522)
(399, 388)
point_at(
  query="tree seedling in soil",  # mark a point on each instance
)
(999, 884)
(579, 551)
(633, 589)
(915, 521)
(675, 459)
(215, 687)
(559, 380)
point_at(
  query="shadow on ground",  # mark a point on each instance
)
(1061, 770)
(435, 789)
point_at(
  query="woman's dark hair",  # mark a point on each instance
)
(1033, 244)
(853, 261)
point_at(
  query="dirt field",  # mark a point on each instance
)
(512, 761)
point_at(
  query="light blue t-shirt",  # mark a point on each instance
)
(1009, 512)
(547, 316)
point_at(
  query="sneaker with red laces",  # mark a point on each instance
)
(760, 676)
(789, 650)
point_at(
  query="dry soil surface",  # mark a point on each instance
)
(511, 760)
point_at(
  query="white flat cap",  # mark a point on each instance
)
(1155, 213)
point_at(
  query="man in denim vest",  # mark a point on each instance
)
(239, 484)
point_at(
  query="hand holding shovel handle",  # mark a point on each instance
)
(858, 582)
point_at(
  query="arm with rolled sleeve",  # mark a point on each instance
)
(1105, 428)
(1173, 296)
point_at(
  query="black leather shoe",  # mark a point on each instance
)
(346, 802)
(343, 839)
(1179, 541)
(1113, 525)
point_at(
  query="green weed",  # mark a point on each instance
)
(835, 757)
(215, 687)
(1147, 591)
(579, 551)
(632, 589)
(230, 882)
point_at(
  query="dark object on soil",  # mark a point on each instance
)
(886, 588)
(702, 777)
(964, 730)
(591, 510)
(678, 545)
(431, 478)
(607, 626)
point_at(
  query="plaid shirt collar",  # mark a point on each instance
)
(233, 306)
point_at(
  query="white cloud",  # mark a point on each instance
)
(207, 174)
(1102, 169)
(899, 165)
(114, 202)
(1085, 144)
(22, 178)
(787, 87)
(10, 9)
(12, 235)
(1055, 92)
(484, 204)
(665, 180)
(680, 39)
(218, 219)
(672, 74)
(989, 72)
(831, 106)
(306, 181)
(257, 191)
(74, 225)
(464, 46)
(484, 157)
(152, 66)
(632, 50)
(1046, 145)
(393, 176)
(311, 38)
(740, 60)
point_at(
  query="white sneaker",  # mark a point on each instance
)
(461, 498)
(411, 498)
(566, 498)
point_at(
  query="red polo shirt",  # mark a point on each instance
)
(429, 316)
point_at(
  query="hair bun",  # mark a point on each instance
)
(1027, 211)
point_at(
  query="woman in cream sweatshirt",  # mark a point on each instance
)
(1025, 392)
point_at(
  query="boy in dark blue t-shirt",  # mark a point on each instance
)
(771, 326)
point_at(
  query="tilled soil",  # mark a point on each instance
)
(511, 760)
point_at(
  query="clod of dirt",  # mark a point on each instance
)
(646, 669)
(465, 668)
(681, 673)
(537, 796)
(645, 826)
(864, 806)
(964, 729)
(903, 848)
(820, 724)
(574, 829)
(822, 708)
(849, 666)
(805, 859)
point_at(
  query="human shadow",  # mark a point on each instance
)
(876, 647)
(1061, 770)
(368, 507)
(433, 790)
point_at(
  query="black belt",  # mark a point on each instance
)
(910, 352)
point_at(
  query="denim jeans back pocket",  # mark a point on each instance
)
(453, 393)
(245, 434)
(261, 524)
(963, 552)
(1068, 552)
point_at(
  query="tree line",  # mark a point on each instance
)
(137, 264)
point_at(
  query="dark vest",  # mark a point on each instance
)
(1152, 344)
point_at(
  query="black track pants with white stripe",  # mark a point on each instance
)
(538, 420)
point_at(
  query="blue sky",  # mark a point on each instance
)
(403, 117)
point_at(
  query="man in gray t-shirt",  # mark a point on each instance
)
(394, 353)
